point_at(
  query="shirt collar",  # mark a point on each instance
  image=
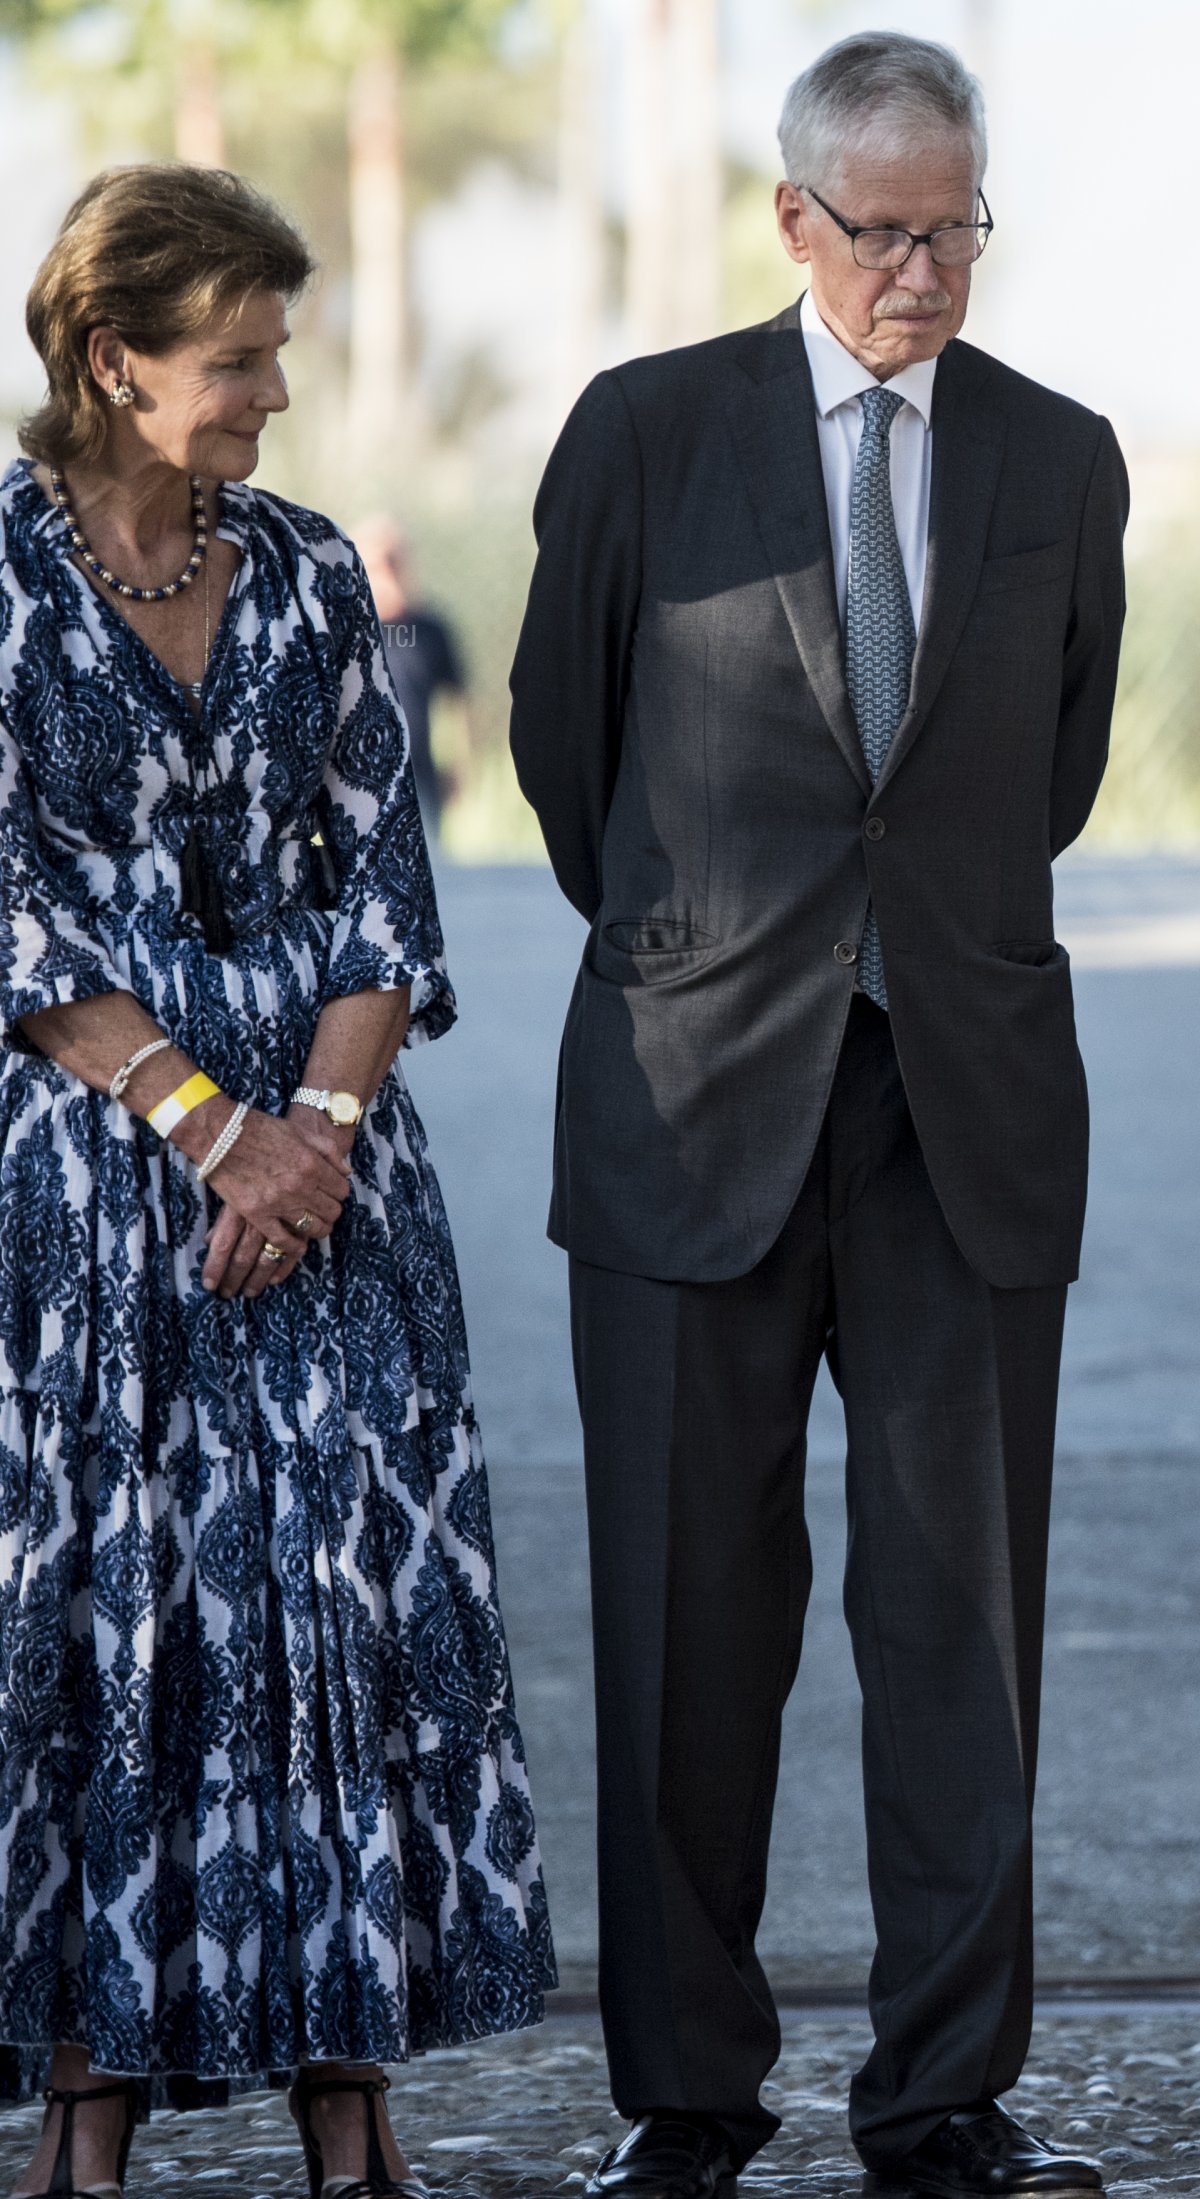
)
(838, 376)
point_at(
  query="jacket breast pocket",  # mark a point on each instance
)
(1027, 568)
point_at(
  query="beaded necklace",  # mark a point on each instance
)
(79, 542)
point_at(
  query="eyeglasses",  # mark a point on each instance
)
(957, 245)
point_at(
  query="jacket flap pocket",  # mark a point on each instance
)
(1035, 954)
(657, 935)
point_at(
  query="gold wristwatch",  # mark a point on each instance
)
(342, 1108)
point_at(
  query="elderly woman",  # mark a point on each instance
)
(263, 1803)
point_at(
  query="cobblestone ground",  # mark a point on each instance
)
(529, 2115)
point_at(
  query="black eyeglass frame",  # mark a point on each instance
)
(855, 230)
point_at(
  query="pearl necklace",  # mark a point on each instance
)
(79, 542)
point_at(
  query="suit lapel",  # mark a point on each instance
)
(968, 445)
(774, 426)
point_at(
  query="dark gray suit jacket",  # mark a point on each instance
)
(682, 728)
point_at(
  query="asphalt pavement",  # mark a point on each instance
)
(1118, 1854)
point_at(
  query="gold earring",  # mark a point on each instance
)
(121, 393)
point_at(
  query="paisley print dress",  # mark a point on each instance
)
(262, 1789)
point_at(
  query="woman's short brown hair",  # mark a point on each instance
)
(152, 250)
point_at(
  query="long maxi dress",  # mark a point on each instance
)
(262, 1789)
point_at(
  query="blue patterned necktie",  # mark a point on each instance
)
(880, 635)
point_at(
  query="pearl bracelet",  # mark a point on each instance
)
(223, 1144)
(117, 1087)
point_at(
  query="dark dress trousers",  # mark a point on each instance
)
(755, 1166)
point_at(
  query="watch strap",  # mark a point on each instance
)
(311, 1095)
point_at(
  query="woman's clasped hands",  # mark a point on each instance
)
(282, 1183)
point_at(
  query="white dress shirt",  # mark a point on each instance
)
(838, 384)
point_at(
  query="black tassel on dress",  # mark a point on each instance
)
(200, 894)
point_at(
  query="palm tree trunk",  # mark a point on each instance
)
(581, 210)
(376, 408)
(696, 184)
(647, 211)
(673, 240)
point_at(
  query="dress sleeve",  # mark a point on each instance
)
(49, 954)
(386, 932)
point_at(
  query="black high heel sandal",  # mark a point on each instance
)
(377, 2183)
(60, 2185)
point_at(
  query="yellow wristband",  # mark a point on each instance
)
(180, 1102)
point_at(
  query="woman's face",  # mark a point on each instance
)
(202, 405)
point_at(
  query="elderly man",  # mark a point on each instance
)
(814, 682)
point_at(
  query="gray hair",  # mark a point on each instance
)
(880, 89)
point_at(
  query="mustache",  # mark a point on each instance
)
(901, 306)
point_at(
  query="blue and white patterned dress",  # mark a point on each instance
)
(262, 1790)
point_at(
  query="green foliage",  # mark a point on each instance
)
(280, 71)
(25, 18)
(339, 30)
(421, 30)
(1151, 792)
(474, 564)
(125, 63)
(472, 110)
(757, 277)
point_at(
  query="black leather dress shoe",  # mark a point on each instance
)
(986, 2151)
(666, 2157)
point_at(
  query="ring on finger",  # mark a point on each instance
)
(305, 1226)
(271, 1252)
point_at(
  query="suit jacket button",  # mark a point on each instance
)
(875, 828)
(845, 951)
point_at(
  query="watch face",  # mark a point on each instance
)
(343, 1107)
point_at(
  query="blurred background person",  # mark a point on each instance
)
(425, 661)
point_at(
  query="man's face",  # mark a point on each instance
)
(887, 318)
